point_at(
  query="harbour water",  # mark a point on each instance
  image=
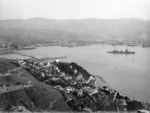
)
(129, 74)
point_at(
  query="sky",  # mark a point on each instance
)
(74, 9)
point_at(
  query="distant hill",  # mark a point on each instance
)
(37, 29)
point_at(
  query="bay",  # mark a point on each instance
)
(129, 74)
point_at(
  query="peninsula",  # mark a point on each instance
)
(43, 86)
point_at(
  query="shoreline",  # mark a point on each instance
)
(5, 51)
(95, 70)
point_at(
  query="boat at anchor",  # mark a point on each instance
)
(121, 52)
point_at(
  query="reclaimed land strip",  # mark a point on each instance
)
(24, 55)
(42, 59)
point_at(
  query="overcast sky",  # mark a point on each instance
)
(74, 9)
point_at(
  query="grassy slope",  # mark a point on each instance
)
(39, 97)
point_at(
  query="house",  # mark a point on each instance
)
(92, 82)
(41, 64)
(48, 64)
(67, 77)
(94, 91)
(62, 74)
(57, 60)
(91, 78)
(49, 75)
(69, 97)
(123, 102)
(87, 109)
(42, 74)
(58, 87)
(90, 90)
(70, 67)
(105, 87)
(80, 93)
(20, 61)
(55, 79)
(69, 89)
(72, 82)
(75, 71)
(80, 77)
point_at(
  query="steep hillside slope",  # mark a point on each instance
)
(33, 85)
(19, 88)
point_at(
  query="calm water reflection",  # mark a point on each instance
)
(129, 74)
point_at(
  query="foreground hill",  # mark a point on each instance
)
(40, 29)
(33, 85)
(19, 89)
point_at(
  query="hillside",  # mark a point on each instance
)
(19, 88)
(40, 29)
(32, 85)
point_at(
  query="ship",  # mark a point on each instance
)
(121, 52)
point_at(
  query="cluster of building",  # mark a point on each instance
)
(5, 44)
(16, 46)
(128, 43)
(53, 74)
(49, 73)
(41, 70)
